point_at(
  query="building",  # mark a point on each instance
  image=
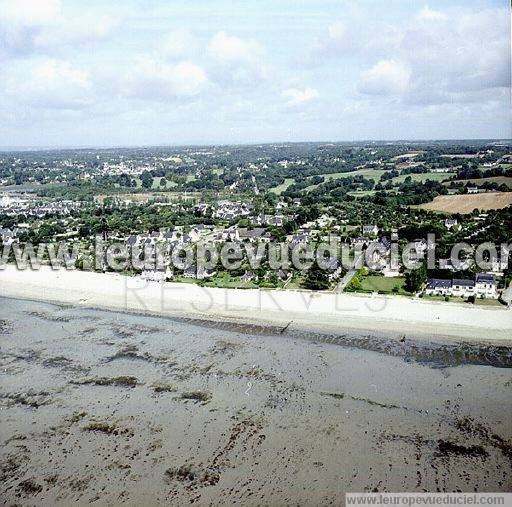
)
(463, 288)
(438, 287)
(370, 229)
(486, 286)
(450, 222)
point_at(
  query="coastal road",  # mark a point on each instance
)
(348, 277)
(345, 280)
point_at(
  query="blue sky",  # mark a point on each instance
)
(166, 72)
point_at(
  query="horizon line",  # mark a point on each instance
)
(34, 148)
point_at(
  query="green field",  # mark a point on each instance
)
(371, 174)
(281, 188)
(383, 284)
(422, 177)
(500, 180)
(156, 184)
(224, 281)
(362, 193)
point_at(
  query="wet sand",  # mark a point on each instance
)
(108, 408)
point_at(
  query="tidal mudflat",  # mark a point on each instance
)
(108, 408)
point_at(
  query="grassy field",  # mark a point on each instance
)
(362, 193)
(281, 188)
(466, 203)
(383, 284)
(225, 281)
(422, 177)
(156, 184)
(371, 174)
(500, 180)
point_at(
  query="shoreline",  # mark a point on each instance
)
(273, 310)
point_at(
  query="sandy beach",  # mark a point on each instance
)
(326, 312)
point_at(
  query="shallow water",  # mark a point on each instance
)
(115, 408)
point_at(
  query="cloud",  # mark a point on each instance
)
(387, 77)
(50, 84)
(447, 54)
(178, 44)
(427, 14)
(36, 26)
(156, 80)
(29, 12)
(295, 97)
(228, 49)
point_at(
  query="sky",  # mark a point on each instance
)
(167, 72)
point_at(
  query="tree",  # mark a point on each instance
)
(415, 278)
(147, 179)
(316, 278)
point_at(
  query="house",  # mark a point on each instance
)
(370, 229)
(190, 272)
(450, 222)
(284, 274)
(438, 287)
(203, 272)
(360, 242)
(463, 288)
(486, 285)
(248, 276)
(154, 275)
(254, 235)
(298, 239)
(472, 190)
(296, 201)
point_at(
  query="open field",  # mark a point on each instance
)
(423, 177)
(468, 202)
(460, 155)
(384, 285)
(281, 188)
(412, 154)
(500, 180)
(371, 174)
(146, 196)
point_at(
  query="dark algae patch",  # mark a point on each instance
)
(123, 381)
(445, 448)
(438, 355)
(197, 396)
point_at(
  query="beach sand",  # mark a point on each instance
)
(326, 312)
(109, 408)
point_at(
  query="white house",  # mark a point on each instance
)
(463, 288)
(438, 287)
(486, 285)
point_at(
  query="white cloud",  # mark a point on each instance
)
(387, 77)
(178, 44)
(444, 54)
(29, 12)
(427, 14)
(36, 26)
(228, 49)
(51, 84)
(296, 97)
(157, 80)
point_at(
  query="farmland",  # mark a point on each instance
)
(466, 203)
(422, 177)
(281, 188)
(500, 180)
